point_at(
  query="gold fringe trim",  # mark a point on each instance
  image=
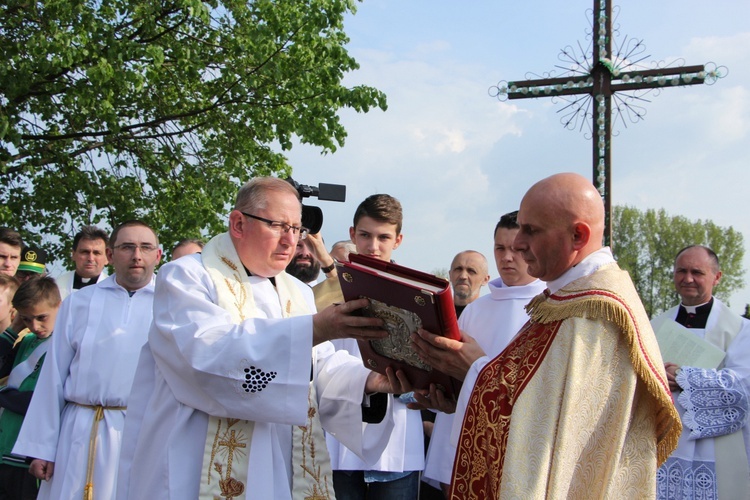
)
(543, 309)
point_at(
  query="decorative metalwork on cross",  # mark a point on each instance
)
(593, 80)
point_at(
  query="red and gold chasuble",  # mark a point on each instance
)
(484, 433)
(597, 415)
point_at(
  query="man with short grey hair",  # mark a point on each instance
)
(711, 460)
(238, 376)
(468, 274)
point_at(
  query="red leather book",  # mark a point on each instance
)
(406, 299)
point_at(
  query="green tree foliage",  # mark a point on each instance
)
(159, 110)
(646, 244)
(442, 272)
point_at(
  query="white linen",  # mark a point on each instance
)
(405, 449)
(194, 366)
(493, 320)
(586, 267)
(97, 337)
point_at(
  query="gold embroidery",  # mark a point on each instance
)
(228, 444)
(318, 488)
(239, 302)
(600, 301)
(213, 449)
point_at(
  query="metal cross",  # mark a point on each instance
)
(606, 75)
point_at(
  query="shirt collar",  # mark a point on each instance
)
(587, 266)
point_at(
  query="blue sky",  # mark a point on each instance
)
(457, 158)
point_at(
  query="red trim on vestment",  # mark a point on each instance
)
(625, 306)
(477, 469)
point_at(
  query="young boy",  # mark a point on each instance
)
(9, 324)
(376, 232)
(8, 287)
(36, 303)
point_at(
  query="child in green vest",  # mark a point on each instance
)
(36, 303)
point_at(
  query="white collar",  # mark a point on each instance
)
(692, 309)
(587, 266)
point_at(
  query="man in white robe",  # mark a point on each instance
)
(712, 456)
(74, 424)
(90, 256)
(204, 364)
(493, 320)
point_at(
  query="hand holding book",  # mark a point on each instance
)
(405, 300)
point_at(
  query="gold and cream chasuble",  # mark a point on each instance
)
(577, 406)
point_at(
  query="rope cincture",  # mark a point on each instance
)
(88, 489)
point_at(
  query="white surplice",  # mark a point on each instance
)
(405, 449)
(719, 413)
(97, 338)
(493, 320)
(65, 282)
(194, 366)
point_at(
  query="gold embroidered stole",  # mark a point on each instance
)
(607, 294)
(228, 441)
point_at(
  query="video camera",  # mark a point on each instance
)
(312, 217)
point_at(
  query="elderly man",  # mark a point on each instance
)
(77, 412)
(223, 405)
(468, 274)
(578, 404)
(11, 244)
(493, 321)
(89, 256)
(711, 460)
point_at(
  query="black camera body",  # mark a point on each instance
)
(312, 216)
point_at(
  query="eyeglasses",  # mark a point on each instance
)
(279, 227)
(131, 248)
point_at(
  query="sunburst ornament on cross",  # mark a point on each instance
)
(593, 78)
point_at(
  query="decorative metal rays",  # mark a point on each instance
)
(594, 78)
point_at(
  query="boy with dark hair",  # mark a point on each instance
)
(11, 244)
(36, 303)
(376, 232)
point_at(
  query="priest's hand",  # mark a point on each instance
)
(398, 383)
(41, 469)
(392, 382)
(434, 399)
(671, 370)
(449, 356)
(338, 322)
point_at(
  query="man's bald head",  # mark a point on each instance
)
(570, 198)
(562, 221)
(468, 274)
